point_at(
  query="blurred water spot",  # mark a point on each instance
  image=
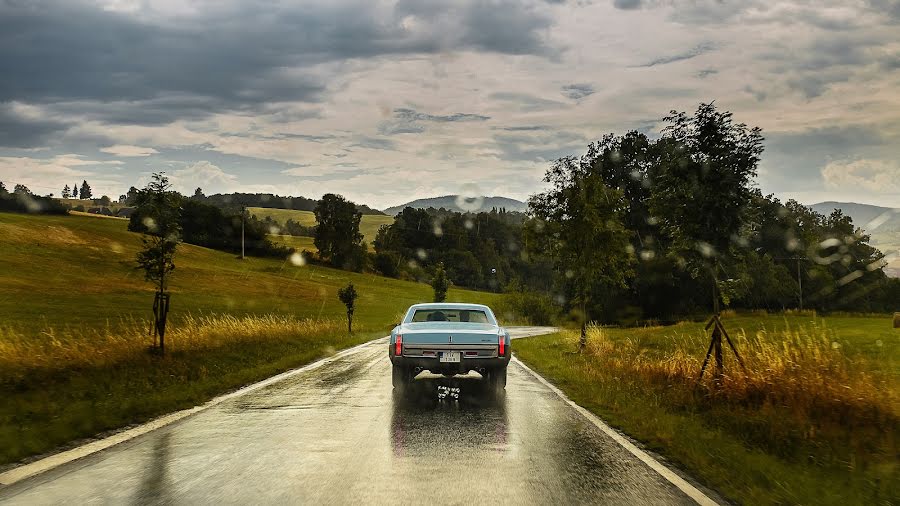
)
(297, 259)
(569, 274)
(116, 247)
(421, 253)
(469, 198)
(648, 254)
(878, 343)
(274, 230)
(150, 223)
(706, 249)
(792, 244)
(438, 231)
(469, 224)
(850, 277)
(835, 345)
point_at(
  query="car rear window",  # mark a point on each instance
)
(450, 315)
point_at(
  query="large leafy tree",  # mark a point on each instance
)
(337, 232)
(584, 232)
(440, 283)
(704, 186)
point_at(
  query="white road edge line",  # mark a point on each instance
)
(690, 490)
(25, 471)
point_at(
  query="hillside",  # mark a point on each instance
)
(881, 223)
(79, 270)
(449, 202)
(368, 225)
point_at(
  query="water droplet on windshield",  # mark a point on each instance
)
(469, 198)
(297, 259)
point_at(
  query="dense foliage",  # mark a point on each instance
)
(337, 234)
(23, 201)
(207, 226)
(233, 202)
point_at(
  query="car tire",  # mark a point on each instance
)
(497, 378)
(399, 376)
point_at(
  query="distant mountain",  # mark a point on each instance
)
(881, 223)
(862, 214)
(449, 202)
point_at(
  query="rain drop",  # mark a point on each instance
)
(297, 259)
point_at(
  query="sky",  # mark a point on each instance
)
(388, 101)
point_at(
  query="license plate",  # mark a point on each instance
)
(450, 356)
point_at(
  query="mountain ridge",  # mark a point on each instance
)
(450, 202)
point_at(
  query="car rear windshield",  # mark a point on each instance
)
(450, 315)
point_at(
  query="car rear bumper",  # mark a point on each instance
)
(466, 364)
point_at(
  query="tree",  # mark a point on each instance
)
(75, 191)
(65, 192)
(584, 233)
(160, 208)
(105, 201)
(348, 296)
(131, 196)
(440, 283)
(703, 189)
(198, 194)
(85, 190)
(3, 189)
(337, 232)
(21, 189)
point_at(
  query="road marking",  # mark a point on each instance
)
(20, 473)
(682, 484)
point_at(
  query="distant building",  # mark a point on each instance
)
(100, 210)
(125, 212)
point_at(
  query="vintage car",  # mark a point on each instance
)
(449, 339)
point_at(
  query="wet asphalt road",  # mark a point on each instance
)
(339, 434)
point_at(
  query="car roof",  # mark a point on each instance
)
(448, 305)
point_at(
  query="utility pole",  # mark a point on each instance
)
(243, 212)
(800, 283)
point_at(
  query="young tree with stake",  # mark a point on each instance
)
(161, 208)
(348, 296)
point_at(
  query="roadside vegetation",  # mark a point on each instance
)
(815, 416)
(76, 326)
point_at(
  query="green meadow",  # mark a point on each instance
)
(368, 225)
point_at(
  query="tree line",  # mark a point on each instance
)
(637, 229)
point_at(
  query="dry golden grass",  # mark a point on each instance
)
(800, 370)
(57, 349)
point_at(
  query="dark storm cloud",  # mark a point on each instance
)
(687, 55)
(240, 57)
(577, 91)
(17, 131)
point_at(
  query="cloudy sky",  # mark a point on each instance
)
(386, 101)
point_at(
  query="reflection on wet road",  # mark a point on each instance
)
(340, 434)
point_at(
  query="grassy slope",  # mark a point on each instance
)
(704, 441)
(73, 270)
(299, 243)
(369, 224)
(68, 282)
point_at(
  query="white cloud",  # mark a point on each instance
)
(49, 175)
(128, 150)
(202, 174)
(876, 176)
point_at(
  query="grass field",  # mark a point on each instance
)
(814, 421)
(299, 243)
(368, 226)
(73, 337)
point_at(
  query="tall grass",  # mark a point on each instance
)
(799, 389)
(23, 353)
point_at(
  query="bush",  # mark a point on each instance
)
(528, 307)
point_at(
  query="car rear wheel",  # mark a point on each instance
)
(400, 376)
(497, 378)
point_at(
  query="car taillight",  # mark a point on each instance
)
(502, 341)
(398, 347)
